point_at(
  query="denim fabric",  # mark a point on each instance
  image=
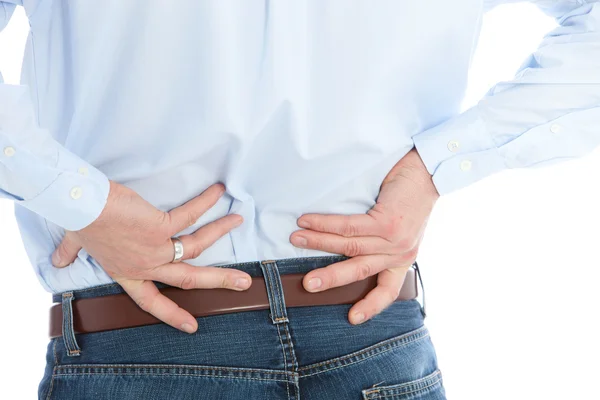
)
(309, 353)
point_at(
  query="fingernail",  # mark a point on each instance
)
(187, 327)
(242, 283)
(359, 318)
(299, 241)
(314, 283)
(56, 259)
(303, 224)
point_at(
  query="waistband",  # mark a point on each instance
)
(285, 265)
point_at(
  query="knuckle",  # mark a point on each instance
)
(363, 271)
(188, 282)
(164, 219)
(349, 229)
(330, 279)
(315, 242)
(62, 252)
(196, 251)
(224, 281)
(352, 248)
(317, 223)
(389, 297)
(191, 218)
(146, 303)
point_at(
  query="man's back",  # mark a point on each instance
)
(295, 106)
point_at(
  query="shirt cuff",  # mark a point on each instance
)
(459, 152)
(75, 198)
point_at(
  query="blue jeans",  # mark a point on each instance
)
(308, 353)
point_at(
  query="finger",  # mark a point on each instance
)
(66, 252)
(345, 272)
(188, 213)
(344, 225)
(148, 298)
(186, 276)
(194, 244)
(349, 246)
(389, 284)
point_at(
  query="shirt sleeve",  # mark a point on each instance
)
(36, 171)
(550, 111)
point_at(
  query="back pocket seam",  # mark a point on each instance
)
(401, 389)
(166, 370)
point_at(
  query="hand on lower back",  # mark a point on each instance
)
(384, 241)
(131, 240)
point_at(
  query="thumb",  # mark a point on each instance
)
(66, 252)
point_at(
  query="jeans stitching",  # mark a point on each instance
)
(395, 392)
(360, 359)
(273, 291)
(54, 351)
(51, 383)
(380, 348)
(291, 348)
(294, 360)
(283, 348)
(420, 390)
(68, 332)
(53, 370)
(281, 298)
(287, 386)
(274, 272)
(189, 375)
(271, 294)
(277, 305)
(171, 366)
(436, 375)
(407, 338)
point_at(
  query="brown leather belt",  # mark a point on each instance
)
(117, 311)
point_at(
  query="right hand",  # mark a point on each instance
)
(131, 240)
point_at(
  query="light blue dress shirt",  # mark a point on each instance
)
(296, 106)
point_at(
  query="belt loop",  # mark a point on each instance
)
(68, 332)
(274, 292)
(416, 265)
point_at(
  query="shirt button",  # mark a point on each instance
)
(9, 151)
(453, 145)
(83, 171)
(76, 192)
(466, 165)
(555, 128)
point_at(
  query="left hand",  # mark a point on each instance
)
(384, 241)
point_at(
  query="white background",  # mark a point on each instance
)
(510, 263)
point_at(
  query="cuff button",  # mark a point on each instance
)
(466, 165)
(453, 145)
(76, 192)
(9, 151)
